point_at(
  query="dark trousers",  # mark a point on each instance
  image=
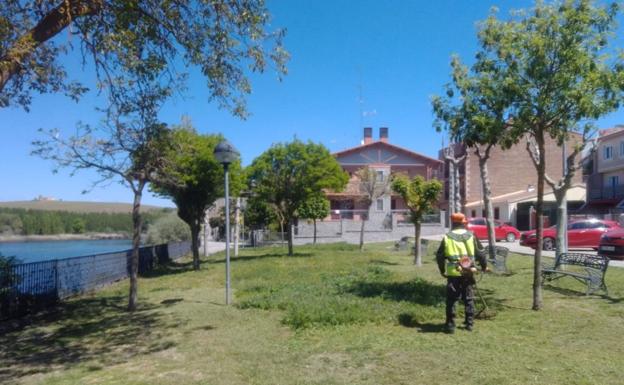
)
(456, 288)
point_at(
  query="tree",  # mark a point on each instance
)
(478, 119)
(560, 75)
(316, 207)
(219, 37)
(420, 197)
(258, 214)
(194, 179)
(288, 174)
(372, 186)
(130, 147)
(561, 186)
(166, 229)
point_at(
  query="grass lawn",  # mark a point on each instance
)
(329, 315)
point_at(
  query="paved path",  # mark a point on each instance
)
(212, 247)
(515, 247)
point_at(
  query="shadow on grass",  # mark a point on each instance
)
(416, 291)
(578, 293)
(244, 258)
(91, 329)
(382, 262)
(407, 320)
(171, 268)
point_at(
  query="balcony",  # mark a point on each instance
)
(606, 193)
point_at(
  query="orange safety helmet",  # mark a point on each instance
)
(458, 218)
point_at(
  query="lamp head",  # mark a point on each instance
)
(226, 153)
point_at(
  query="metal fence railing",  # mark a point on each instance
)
(403, 217)
(28, 286)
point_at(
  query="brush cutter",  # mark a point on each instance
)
(468, 269)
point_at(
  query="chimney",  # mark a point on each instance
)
(383, 134)
(368, 135)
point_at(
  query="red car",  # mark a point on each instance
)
(502, 231)
(612, 244)
(584, 233)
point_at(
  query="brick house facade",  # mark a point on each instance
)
(605, 172)
(513, 181)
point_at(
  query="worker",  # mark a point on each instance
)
(456, 261)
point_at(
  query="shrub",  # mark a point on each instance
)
(167, 229)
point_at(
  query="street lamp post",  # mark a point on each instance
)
(225, 153)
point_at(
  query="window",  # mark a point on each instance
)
(473, 213)
(621, 149)
(380, 205)
(607, 152)
(380, 176)
(578, 226)
(478, 222)
(496, 213)
(613, 181)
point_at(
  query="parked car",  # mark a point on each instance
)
(583, 233)
(502, 231)
(612, 244)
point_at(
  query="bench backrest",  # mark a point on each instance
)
(599, 262)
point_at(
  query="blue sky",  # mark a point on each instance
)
(396, 51)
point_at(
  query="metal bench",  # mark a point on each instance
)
(499, 262)
(594, 266)
(403, 244)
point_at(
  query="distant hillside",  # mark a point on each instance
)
(78, 207)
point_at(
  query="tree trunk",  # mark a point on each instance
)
(451, 179)
(562, 212)
(314, 241)
(362, 228)
(539, 211)
(487, 202)
(290, 236)
(136, 243)
(236, 225)
(458, 204)
(195, 244)
(50, 25)
(417, 251)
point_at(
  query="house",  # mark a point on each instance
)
(513, 182)
(388, 219)
(385, 159)
(605, 173)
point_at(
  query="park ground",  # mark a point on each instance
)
(328, 315)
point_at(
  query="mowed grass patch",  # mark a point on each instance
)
(334, 288)
(328, 315)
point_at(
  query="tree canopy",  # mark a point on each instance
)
(557, 75)
(288, 174)
(158, 38)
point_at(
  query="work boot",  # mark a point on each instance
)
(469, 327)
(449, 329)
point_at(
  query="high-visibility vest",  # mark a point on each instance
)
(457, 244)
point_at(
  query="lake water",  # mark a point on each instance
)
(46, 250)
